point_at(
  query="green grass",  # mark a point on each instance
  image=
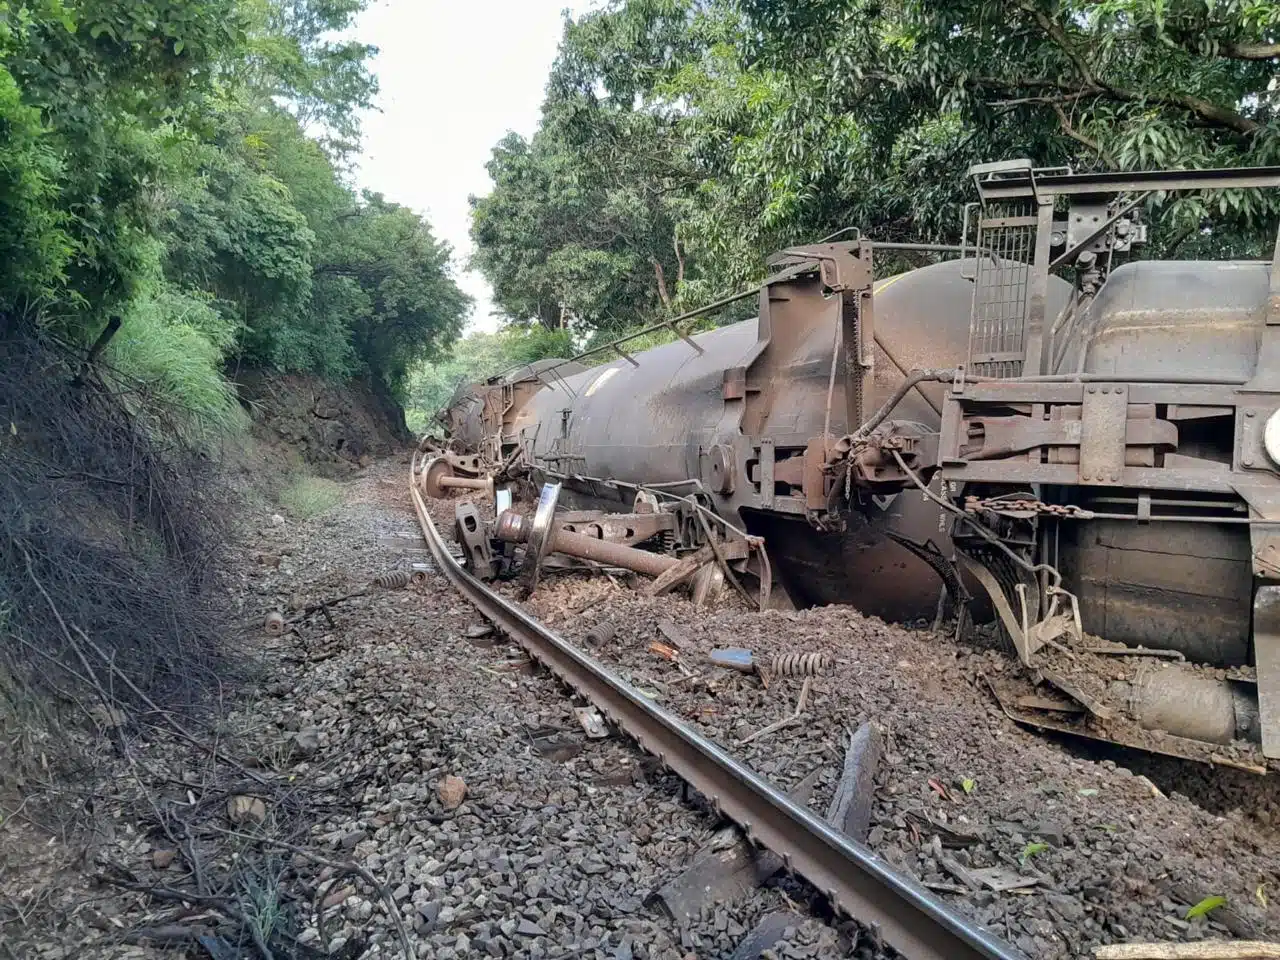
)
(163, 343)
(307, 497)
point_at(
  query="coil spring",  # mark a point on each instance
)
(393, 579)
(601, 633)
(799, 664)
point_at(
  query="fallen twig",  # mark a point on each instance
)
(348, 866)
(785, 721)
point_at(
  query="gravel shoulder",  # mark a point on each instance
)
(559, 839)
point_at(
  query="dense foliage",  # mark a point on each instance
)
(179, 165)
(683, 140)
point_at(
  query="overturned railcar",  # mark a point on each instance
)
(1080, 444)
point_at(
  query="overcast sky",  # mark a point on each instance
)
(455, 77)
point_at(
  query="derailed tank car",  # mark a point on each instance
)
(477, 423)
(1089, 448)
(732, 413)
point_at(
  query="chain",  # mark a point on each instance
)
(1009, 505)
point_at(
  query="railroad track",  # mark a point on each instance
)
(857, 882)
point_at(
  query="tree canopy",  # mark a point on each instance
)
(180, 165)
(683, 140)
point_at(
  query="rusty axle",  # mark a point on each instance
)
(466, 483)
(515, 528)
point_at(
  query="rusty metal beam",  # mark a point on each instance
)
(1023, 184)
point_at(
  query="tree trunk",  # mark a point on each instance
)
(662, 284)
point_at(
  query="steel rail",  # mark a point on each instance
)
(856, 881)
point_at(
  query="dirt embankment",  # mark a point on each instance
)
(334, 427)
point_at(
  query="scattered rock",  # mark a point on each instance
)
(160, 859)
(245, 809)
(452, 790)
(306, 742)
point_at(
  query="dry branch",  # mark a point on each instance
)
(1202, 950)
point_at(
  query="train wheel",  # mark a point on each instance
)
(435, 471)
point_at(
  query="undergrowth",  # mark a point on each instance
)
(172, 345)
(306, 497)
(109, 545)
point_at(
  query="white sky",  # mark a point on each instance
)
(455, 77)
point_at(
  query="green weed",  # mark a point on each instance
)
(1205, 906)
(170, 343)
(308, 497)
(1031, 849)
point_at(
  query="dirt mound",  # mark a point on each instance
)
(334, 427)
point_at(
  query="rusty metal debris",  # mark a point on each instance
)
(799, 665)
(394, 579)
(601, 633)
(663, 650)
(857, 883)
(593, 724)
(1047, 716)
(470, 534)
(448, 473)
(542, 536)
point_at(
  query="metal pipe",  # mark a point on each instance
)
(515, 528)
(1184, 703)
(466, 483)
(922, 247)
(917, 376)
(1104, 378)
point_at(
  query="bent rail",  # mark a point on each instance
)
(854, 879)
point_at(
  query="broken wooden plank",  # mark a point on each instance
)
(850, 808)
(675, 575)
